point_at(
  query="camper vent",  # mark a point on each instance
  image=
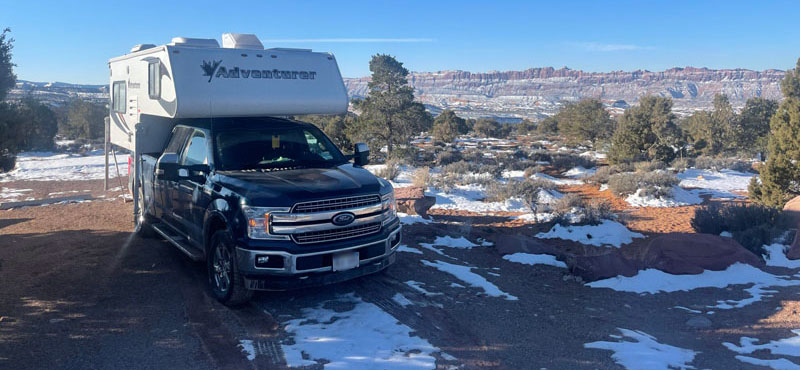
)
(241, 41)
(140, 47)
(195, 43)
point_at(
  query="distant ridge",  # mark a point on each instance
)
(537, 92)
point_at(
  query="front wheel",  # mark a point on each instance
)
(224, 279)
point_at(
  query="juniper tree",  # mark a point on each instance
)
(447, 126)
(389, 116)
(645, 132)
(585, 120)
(779, 176)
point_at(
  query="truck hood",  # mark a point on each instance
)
(285, 188)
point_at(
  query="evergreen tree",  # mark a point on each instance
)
(586, 120)
(7, 77)
(646, 132)
(447, 126)
(37, 125)
(753, 125)
(779, 176)
(717, 131)
(548, 126)
(485, 127)
(388, 115)
(84, 120)
(333, 126)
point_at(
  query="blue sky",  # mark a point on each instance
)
(71, 41)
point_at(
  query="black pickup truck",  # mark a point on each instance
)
(269, 203)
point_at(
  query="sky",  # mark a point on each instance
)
(71, 41)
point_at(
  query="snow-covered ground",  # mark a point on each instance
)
(534, 259)
(639, 350)
(364, 337)
(654, 281)
(48, 166)
(720, 184)
(470, 198)
(776, 256)
(465, 274)
(607, 233)
(580, 172)
(782, 347)
(678, 198)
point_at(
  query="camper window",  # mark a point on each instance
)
(119, 96)
(154, 79)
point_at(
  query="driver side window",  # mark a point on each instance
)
(196, 150)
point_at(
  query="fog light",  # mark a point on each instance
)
(262, 260)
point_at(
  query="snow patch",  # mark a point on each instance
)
(534, 259)
(407, 219)
(465, 274)
(49, 166)
(785, 347)
(720, 184)
(365, 337)
(448, 241)
(680, 197)
(606, 233)
(644, 352)
(776, 256)
(407, 249)
(556, 181)
(580, 172)
(654, 281)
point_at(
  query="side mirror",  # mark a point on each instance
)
(361, 154)
(196, 173)
(167, 167)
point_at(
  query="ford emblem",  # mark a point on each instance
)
(342, 219)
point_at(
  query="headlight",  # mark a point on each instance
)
(389, 205)
(258, 222)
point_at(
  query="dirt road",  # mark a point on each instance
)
(79, 291)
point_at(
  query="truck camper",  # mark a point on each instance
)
(220, 172)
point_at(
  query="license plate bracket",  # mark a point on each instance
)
(345, 261)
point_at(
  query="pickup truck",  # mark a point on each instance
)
(269, 204)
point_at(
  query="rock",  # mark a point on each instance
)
(684, 253)
(601, 266)
(413, 201)
(792, 210)
(698, 322)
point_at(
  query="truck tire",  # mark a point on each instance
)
(226, 284)
(144, 221)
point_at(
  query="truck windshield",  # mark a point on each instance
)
(275, 147)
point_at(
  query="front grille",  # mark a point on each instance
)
(336, 234)
(334, 204)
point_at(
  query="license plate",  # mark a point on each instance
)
(345, 261)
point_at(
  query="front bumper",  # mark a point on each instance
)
(302, 267)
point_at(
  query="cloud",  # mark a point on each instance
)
(598, 46)
(351, 40)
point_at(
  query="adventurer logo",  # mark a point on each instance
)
(214, 69)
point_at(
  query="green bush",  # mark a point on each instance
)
(649, 166)
(752, 225)
(716, 164)
(656, 183)
(390, 171)
(7, 161)
(564, 162)
(682, 164)
(458, 168)
(445, 158)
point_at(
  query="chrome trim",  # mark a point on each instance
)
(328, 225)
(290, 264)
(348, 232)
(336, 203)
(325, 215)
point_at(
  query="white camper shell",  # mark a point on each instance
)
(196, 78)
(153, 86)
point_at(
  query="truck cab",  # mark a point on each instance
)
(269, 204)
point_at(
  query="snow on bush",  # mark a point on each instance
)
(607, 233)
(678, 197)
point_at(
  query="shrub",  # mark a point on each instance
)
(444, 181)
(682, 164)
(716, 164)
(527, 190)
(572, 210)
(491, 169)
(624, 183)
(603, 173)
(7, 161)
(656, 183)
(649, 166)
(752, 225)
(458, 168)
(530, 171)
(540, 156)
(390, 171)
(564, 162)
(445, 158)
(422, 177)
